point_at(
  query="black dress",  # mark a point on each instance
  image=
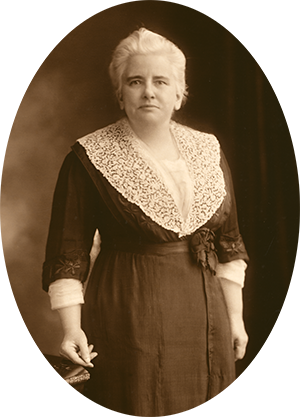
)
(154, 309)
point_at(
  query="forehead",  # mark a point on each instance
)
(148, 65)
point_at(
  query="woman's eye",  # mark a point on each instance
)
(161, 82)
(135, 82)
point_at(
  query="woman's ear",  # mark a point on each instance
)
(120, 101)
(178, 101)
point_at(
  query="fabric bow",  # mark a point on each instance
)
(203, 249)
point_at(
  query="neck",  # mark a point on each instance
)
(159, 139)
(151, 134)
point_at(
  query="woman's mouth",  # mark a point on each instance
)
(148, 106)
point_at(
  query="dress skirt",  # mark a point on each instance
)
(159, 353)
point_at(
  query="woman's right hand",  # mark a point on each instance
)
(75, 345)
(75, 348)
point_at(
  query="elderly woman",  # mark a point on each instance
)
(163, 303)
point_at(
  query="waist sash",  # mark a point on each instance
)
(200, 245)
(165, 248)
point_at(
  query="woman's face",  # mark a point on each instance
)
(149, 94)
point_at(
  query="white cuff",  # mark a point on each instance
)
(65, 292)
(233, 271)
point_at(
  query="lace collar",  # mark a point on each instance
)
(116, 152)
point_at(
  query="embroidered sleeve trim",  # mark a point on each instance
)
(115, 152)
(70, 265)
(231, 248)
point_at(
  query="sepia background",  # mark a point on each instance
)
(229, 96)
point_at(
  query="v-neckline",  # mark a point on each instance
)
(116, 152)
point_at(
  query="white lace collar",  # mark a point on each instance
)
(116, 152)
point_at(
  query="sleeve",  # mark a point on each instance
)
(229, 243)
(72, 226)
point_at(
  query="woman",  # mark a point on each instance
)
(163, 305)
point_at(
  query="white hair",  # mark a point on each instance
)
(144, 42)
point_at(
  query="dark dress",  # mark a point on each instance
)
(154, 309)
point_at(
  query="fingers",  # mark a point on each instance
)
(78, 351)
(239, 337)
(71, 356)
(84, 353)
(240, 345)
(92, 354)
(239, 352)
(69, 351)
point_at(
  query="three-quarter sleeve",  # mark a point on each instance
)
(72, 226)
(229, 243)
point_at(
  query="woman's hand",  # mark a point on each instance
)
(234, 302)
(75, 348)
(239, 336)
(75, 345)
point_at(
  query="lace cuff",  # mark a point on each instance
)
(65, 293)
(233, 271)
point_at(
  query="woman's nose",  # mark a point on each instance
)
(149, 91)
